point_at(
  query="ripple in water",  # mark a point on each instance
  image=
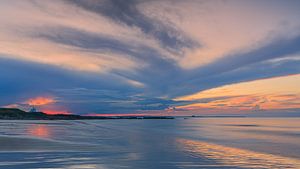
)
(228, 156)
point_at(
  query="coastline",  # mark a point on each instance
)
(17, 114)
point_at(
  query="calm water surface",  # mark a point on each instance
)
(151, 144)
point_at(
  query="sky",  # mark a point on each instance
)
(152, 57)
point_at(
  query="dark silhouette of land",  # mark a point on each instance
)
(17, 114)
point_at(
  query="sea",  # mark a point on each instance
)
(181, 143)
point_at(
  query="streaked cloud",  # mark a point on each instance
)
(224, 28)
(278, 93)
(137, 56)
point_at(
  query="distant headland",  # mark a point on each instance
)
(17, 114)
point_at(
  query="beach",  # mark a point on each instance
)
(153, 144)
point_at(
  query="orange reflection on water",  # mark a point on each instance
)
(229, 156)
(39, 130)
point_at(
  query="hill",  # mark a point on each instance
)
(17, 114)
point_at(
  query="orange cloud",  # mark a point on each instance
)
(38, 101)
(249, 102)
(249, 96)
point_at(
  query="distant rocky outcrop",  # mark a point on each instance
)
(17, 114)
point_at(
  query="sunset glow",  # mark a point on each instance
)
(53, 112)
(265, 94)
(114, 114)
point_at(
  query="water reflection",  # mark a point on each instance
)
(228, 156)
(39, 130)
(151, 144)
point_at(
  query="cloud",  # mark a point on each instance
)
(60, 84)
(225, 27)
(23, 36)
(39, 101)
(284, 96)
(128, 13)
(112, 56)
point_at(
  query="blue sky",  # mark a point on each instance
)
(150, 57)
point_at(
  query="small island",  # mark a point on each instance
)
(17, 114)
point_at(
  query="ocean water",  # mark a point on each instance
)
(151, 144)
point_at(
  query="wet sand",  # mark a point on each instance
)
(151, 144)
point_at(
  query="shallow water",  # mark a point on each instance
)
(152, 144)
